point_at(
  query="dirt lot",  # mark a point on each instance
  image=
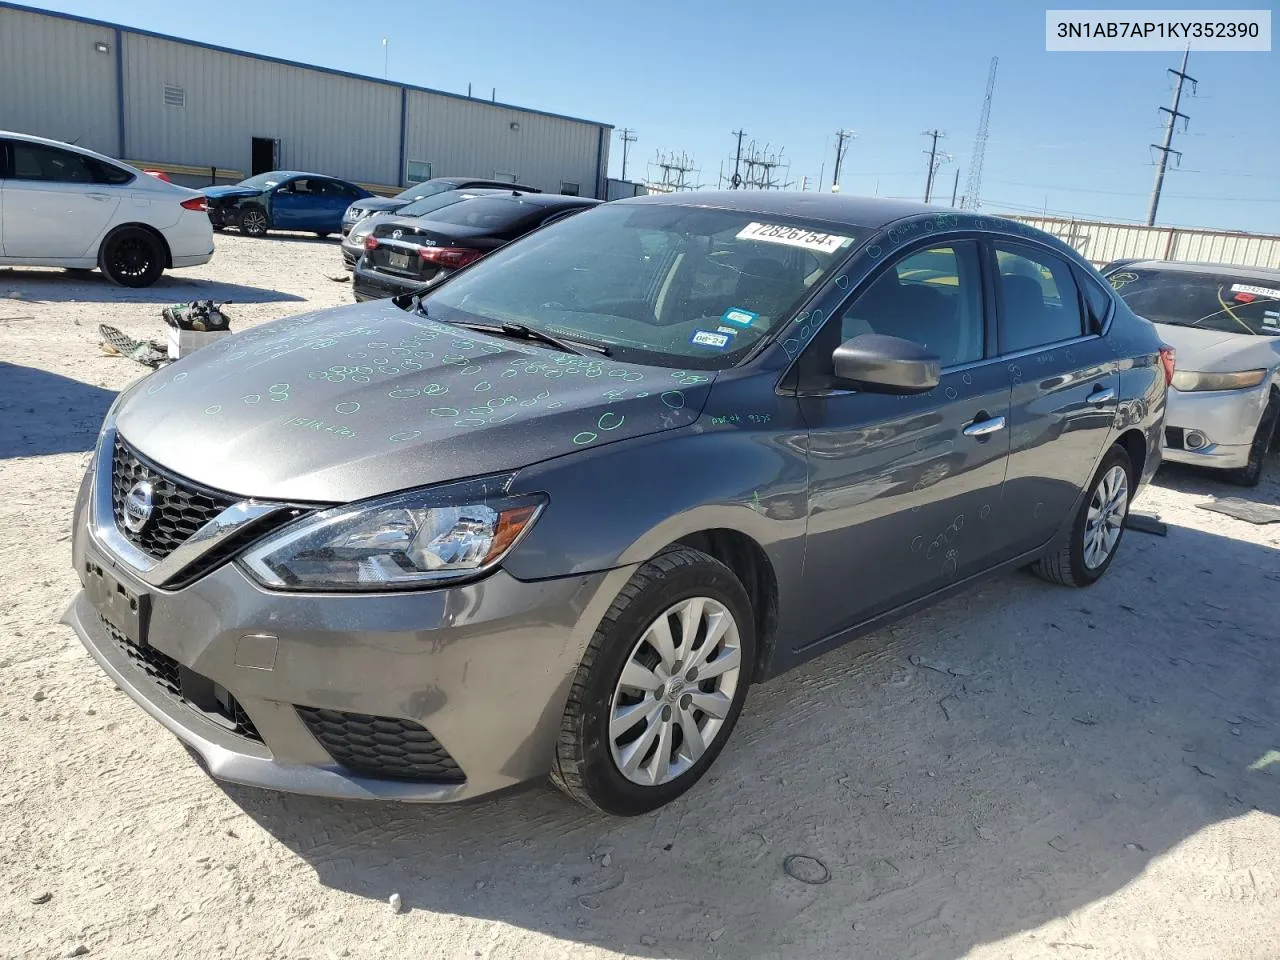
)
(1027, 771)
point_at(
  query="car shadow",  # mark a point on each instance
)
(43, 413)
(1202, 481)
(51, 285)
(970, 773)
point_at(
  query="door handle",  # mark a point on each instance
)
(98, 196)
(981, 428)
(1102, 395)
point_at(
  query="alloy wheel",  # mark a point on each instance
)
(675, 691)
(1106, 516)
(132, 257)
(254, 222)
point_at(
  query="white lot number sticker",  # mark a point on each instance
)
(793, 237)
(1269, 292)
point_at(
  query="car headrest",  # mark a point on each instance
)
(1021, 294)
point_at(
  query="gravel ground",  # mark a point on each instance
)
(1025, 771)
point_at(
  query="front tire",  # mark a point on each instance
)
(1098, 528)
(1250, 475)
(660, 686)
(254, 222)
(132, 257)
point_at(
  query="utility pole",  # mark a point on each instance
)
(935, 160)
(1167, 149)
(841, 137)
(628, 137)
(955, 187)
(736, 181)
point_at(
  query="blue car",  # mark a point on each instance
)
(283, 200)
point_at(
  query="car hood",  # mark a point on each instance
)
(379, 204)
(356, 401)
(1213, 351)
(232, 190)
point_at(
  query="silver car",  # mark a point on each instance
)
(1224, 323)
(557, 512)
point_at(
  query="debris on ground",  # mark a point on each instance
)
(1246, 510)
(806, 869)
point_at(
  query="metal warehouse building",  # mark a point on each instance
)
(192, 109)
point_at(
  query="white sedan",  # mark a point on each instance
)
(1224, 325)
(64, 206)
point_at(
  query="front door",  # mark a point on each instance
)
(905, 492)
(1065, 383)
(56, 204)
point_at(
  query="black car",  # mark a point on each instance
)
(370, 205)
(405, 253)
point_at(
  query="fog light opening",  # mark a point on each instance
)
(1195, 440)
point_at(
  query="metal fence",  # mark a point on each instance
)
(1103, 242)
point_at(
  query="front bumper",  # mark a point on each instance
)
(485, 668)
(1227, 419)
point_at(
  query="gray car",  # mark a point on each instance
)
(555, 514)
(1224, 323)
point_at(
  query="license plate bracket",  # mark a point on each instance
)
(398, 261)
(129, 611)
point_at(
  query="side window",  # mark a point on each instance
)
(106, 173)
(1039, 302)
(933, 297)
(1096, 301)
(33, 161)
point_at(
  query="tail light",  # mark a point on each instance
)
(1167, 360)
(451, 257)
(371, 242)
(198, 204)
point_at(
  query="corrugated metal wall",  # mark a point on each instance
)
(194, 107)
(53, 83)
(473, 138)
(344, 127)
(1104, 242)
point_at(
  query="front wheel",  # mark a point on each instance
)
(132, 257)
(659, 688)
(1098, 528)
(253, 222)
(1250, 475)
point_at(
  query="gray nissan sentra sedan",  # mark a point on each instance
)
(556, 513)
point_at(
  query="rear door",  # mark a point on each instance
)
(57, 203)
(1065, 383)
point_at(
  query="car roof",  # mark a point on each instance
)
(836, 208)
(546, 199)
(478, 180)
(1205, 267)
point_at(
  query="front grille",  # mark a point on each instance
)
(1174, 439)
(180, 507)
(184, 684)
(385, 747)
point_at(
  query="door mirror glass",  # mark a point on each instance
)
(878, 363)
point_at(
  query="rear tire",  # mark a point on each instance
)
(670, 738)
(1251, 474)
(132, 257)
(323, 234)
(1096, 532)
(253, 221)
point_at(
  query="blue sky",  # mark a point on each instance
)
(1069, 131)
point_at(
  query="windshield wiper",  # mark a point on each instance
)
(520, 332)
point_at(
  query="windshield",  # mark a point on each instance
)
(262, 181)
(428, 188)
(1211, 301)
(433, 202)
(665, 285)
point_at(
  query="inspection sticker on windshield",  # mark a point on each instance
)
(743, 318)
(731, 331)
(1269, 292)
(1271, 318)
(793, 237)
(704, 338)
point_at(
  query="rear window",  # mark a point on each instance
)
(426, 189)
(488, 213)
(1211, 301)
(434, 202)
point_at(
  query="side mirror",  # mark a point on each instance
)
(880, 364)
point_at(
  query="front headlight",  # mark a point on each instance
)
(407, 540)
(1188, 380)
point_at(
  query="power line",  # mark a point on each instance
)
(628, 137)
(1168, 135)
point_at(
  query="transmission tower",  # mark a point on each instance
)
(973, 186)
(1167, 149)
(673, 171)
